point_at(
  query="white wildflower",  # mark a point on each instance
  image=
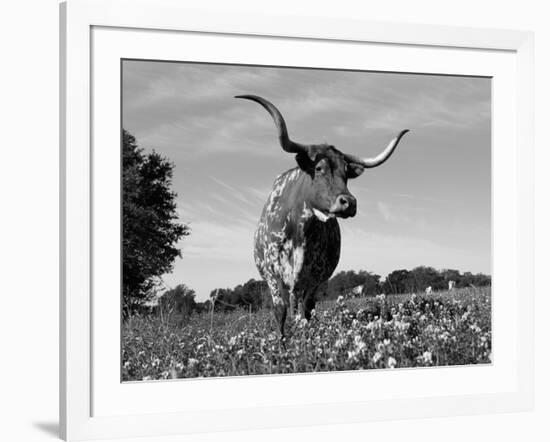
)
(427, 357)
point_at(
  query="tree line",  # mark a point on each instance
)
(254, 294)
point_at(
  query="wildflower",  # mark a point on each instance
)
(232, 340)
(339, 343)
(377, 356)
(359, 344)
(392, 362)
(427, 357)
(475, 328)
(401, 325)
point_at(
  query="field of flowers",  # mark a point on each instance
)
(446, 328)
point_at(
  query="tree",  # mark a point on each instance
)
(398, 281)
(343, 282)
(479, 280)
(253, 294)
(370, 282)
(180, 300)
(150, 230)
(423, 277)
(451, 275)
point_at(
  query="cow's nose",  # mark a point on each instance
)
(346, 205)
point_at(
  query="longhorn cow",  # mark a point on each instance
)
(297, 242)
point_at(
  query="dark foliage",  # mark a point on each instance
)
(253, 294)
(360, 283)
(150, 230)
(180, 300)
(398, 282)
(419, 278)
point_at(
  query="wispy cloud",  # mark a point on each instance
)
(173, 103)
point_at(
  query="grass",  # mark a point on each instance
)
(445, 328)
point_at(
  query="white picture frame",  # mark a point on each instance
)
(84, 388)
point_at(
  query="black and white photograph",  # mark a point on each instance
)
(275, 221)
(283, 220)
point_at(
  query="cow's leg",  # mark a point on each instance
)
(310, 299)
(309, 305)
(280, 303)
(300, 308)
(292, 306)
(279, 309)
(300, 305)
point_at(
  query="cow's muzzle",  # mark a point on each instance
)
(345, 206)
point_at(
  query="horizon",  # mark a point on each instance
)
(429, 205)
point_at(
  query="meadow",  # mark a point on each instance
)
(395, 331)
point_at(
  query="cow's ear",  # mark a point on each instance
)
(305, 162)
(354, 170)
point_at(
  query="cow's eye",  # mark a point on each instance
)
(319, 168)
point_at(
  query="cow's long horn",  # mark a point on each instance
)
(378, 160)
(286, 143)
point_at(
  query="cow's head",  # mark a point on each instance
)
(327, 192)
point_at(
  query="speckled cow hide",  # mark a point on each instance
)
(295, 251)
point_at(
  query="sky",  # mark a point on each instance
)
(429, 204)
